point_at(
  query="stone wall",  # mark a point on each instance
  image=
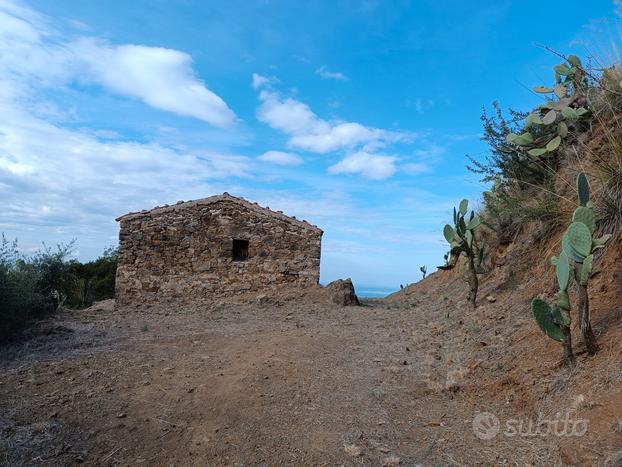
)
(184, 252)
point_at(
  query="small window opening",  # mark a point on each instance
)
(240, 250)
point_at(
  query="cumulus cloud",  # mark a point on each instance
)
(281, 158)
(363, 145)
(309, 132)
(327, 74)
(55, 177)
(162, 78)
(369, 165)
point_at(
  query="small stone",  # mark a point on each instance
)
(491, 299)
(352, 450)
(391, 461)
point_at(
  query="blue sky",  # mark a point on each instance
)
(354, 115)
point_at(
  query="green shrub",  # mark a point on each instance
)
(31, 287)
(92, 281)
(20, 299)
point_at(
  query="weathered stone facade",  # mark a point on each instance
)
(213, 247)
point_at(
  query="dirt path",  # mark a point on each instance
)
(382, 384)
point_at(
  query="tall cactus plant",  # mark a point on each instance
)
(578, 247)
(424, 270)
(462, 241)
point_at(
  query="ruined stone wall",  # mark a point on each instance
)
(185, 252)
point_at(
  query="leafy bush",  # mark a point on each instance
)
(92, 281)
(19, 295)
(31, 287)
(505, 162)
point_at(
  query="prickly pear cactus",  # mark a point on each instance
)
(547, 127)
(462, 242)
(578, 246)
(461, 237)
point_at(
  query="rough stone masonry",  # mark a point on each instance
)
(213, 247)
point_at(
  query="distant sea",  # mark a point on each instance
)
(372, 291)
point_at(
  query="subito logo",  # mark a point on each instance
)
(486, 425)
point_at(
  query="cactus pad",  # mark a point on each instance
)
(464, 205)
(570, 252)
(585, 215)
(562, 129)
(583, 189)
(580, 239)
(554, 143)
(449, 233)
(474, 223)
(544, 316)
(468, 236)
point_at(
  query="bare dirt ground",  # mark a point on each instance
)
(395, 382)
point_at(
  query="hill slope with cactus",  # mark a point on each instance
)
(553, 223)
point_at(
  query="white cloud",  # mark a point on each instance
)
(309, 132)
(84, 181)
(260, 81)
(369, 165)
(327, 74)
(162, 78)
(281, 158)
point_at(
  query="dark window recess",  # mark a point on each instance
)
(240, 250)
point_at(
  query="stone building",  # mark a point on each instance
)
(213, 247)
